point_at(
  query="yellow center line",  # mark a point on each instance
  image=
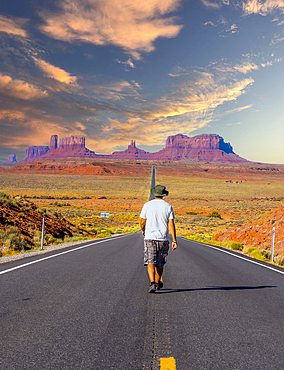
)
(167, 363)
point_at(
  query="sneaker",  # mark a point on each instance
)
(152, 288)
(160, 285)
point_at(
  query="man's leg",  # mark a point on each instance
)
(159, 273)
(151, 272)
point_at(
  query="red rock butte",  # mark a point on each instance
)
(201, 148)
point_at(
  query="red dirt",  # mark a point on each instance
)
(258, 233)
(73, 166)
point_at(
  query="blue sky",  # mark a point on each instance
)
(117, 70)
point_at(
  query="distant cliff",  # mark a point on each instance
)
(35, 151)
(72, 146)
(201, 148)
(12, 158)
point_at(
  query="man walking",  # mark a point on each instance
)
(156, 217)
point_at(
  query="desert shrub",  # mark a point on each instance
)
(257, 255)
(279, 260)
(42, 211)
(49, 239)
(265, 253)
(250, 249)
(5, 198)
(191, 213)
(17, 201)
(214, 214)
(237, 246)
(11, 238)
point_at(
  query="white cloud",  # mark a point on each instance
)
(266, 64)
(178, 72)
(263, 8)
(132, 25)
(232, 29)
(11, 27)
(54, 72)
(209, 4)
(246, 67)
(222, 21)
(127, 63)
(20, 89)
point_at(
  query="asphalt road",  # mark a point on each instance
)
(89, 309)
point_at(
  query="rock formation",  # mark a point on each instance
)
(201, 148)
(131, 153)
(72, 143)
(12, 158)
(53, 142)
(35, 151)
(72, 146)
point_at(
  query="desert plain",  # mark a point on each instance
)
(211, 201)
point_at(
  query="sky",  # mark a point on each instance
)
(120, 70)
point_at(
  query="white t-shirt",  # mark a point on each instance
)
(157, 212)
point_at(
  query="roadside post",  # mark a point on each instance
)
(153, 182)
(104, 215)
(272, 246)
(42, 234)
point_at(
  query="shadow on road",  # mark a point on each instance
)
(169, 290)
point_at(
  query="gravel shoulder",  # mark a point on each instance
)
(45, 250)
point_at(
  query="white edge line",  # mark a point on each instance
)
(61, 253)
(234, 255)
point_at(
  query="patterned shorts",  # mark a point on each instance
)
(155, 252)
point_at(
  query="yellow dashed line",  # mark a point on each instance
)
(167, 363)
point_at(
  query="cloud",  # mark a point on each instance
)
(11, 115)
(131, 25)
(127, 63)
(266, 64)
(262, 8)
(20, 89)
(178, 72)
(208, 4)
(201, 96)
(189, 106)
(233, 29)
(119, 90)
(11, 27)
(54, 72)
(221, 21)
(246, 67)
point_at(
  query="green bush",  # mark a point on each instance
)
(237, 246)
(191, 213)
(257, 255)
(214, 214)
(251, 249)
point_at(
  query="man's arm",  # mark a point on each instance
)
(173, 232)
(143, 224)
